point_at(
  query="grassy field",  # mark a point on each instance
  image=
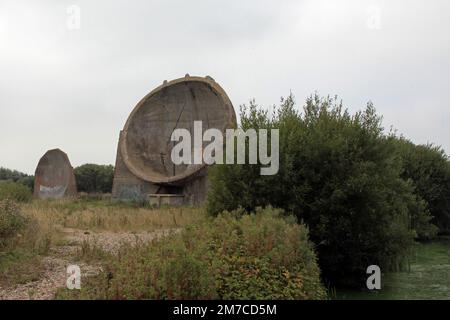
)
(98, 215)
(51, 219)
(132, 251)
(83, 225)
(428, 277)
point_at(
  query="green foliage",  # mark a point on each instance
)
(13, 175)
(11, 222)
(428, 168)
(261, 256)
(19, 266)
(427, 278)
(27, 181)
(21, 242)
(94, 178)
(340, 174)
(14, 191)
(16, 176)
(234, 256)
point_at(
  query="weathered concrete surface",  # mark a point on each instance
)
(54, 176)
(173, 200)
(143, 164)
(127, 186)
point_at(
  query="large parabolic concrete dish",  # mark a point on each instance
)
(144, 166)
(54, 176)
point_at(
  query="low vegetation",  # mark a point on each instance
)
(11, 222)
(23, 241)
(94, 178)
(427, 276)
(428, 168)
(29, 230)
(14, 191)
(102, 215)
(16, 176)
(234, 256)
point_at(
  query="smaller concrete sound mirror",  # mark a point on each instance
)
(54, 176)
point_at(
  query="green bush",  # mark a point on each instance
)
(16, 176)
(262, 256)
(428, 168)
(234, 256)
(27, 181)
(94, 178)
(14, 191)
(22, 241)
(339, 174)
(12, 175)
(11, 222)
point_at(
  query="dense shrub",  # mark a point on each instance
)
(11, 222)
(234, 256)
(27, 181)
(14, 191)
(94, 178)
(23, 239)
(428, 168)
(16, 176)
(264, 257)
(13, 175)
(341, 175)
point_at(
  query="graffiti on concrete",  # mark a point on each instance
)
(54, 176)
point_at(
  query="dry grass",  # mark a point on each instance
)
(19, 266)
(50, 220)
(20, 259)
(102, 215)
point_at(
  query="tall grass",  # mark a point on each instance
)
(14, 191)
(104, 215)
(22, 240)
(29, 230)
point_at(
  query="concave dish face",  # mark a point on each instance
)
(54, 174)
(146, 142)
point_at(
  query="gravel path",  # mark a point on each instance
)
(111, 241)
(53, 278)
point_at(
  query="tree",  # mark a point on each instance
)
(16, 176)
(94, 178)
(340, 174)
(428, 168)
(15, 191)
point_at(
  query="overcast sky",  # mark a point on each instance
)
(72, 86)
